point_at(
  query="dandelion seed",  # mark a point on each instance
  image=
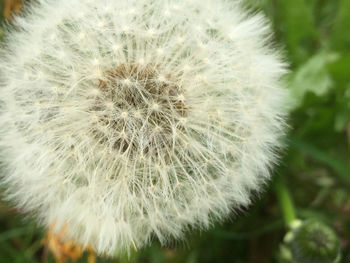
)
(151, 129)
(124, 114)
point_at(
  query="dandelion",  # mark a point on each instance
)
(133, 120)
(312, 241)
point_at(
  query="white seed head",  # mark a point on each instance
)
(145, 125)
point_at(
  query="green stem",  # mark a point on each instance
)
(285, 200)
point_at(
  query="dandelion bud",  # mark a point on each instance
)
(314, 242)
(164, 115)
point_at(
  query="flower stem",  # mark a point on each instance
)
(285, 200)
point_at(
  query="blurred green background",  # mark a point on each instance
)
(315, 35)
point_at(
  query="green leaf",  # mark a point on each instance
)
(341, 32)
(273, 226)
(339, 71)
(341, 120)
(312, 77)
(340, 169)
(13, 233)
(296, 23)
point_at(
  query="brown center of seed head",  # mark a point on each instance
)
(141, 108)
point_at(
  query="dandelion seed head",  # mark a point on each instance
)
(138, 119)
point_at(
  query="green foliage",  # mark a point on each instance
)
(295, 22)
(312, 76)
(341, 33)
(316, 165)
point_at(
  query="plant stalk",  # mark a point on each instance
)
(285, 200)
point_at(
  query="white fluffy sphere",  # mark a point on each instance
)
(133, 119)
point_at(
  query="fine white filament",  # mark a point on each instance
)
(133, 119)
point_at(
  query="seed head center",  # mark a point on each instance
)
(139, 107)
